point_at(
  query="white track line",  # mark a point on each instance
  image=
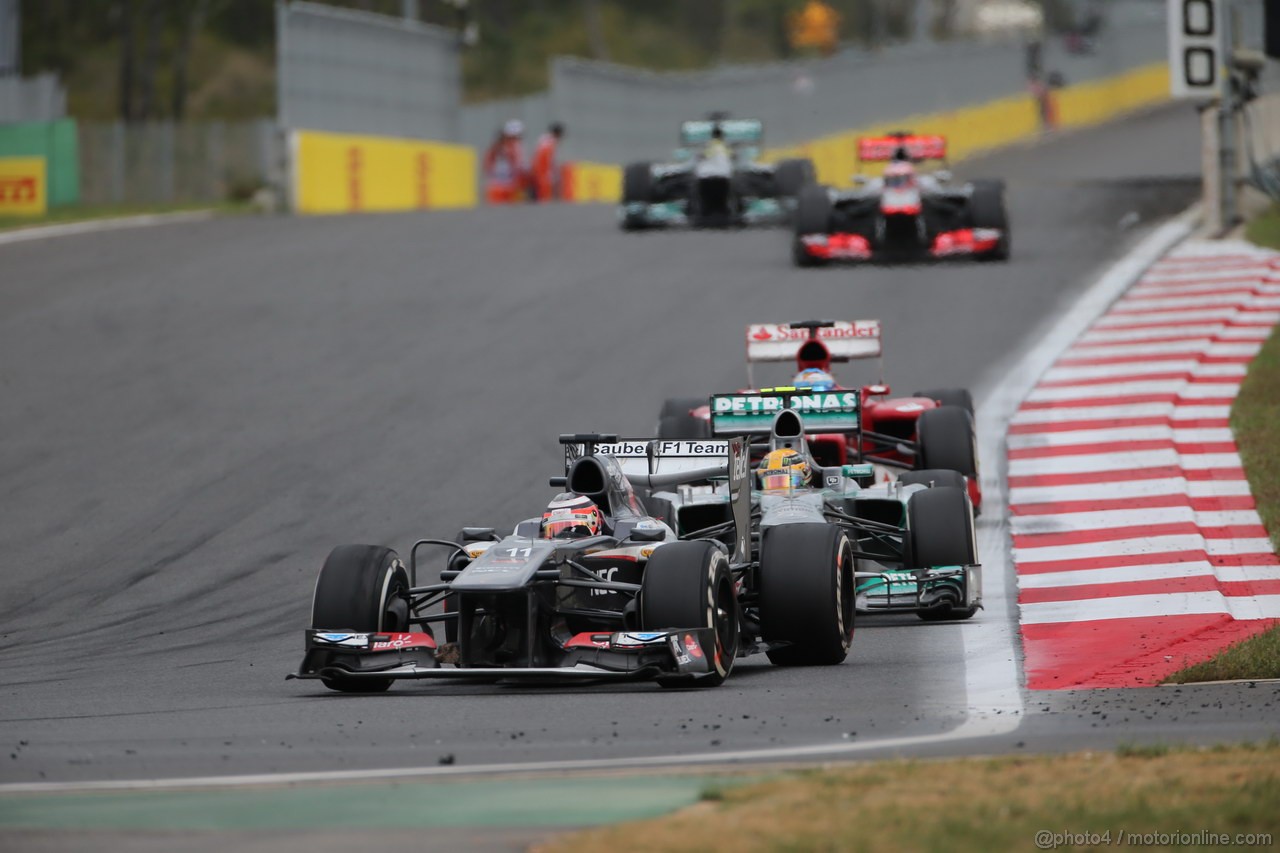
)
(43, 232)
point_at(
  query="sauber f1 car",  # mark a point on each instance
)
(630, 602)
(713, 186)
(903, 215)
(905, 546)
(930, 430)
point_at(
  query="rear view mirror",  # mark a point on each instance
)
(877, 390)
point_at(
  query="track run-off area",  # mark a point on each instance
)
(195, 413)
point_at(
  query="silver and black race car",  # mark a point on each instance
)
(906, 546)
(714, 181)
(630, 601)
(903, 215)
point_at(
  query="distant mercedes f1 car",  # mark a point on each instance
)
(931, 429)
(904, 215)
(714, 182)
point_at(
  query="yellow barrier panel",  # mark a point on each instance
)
(344, 173)
(972, 130)
(24, 188)
(593, 182)
(1094, 102)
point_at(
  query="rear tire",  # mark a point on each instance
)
(949, 397)
(940, 524)
(946, 440)
(688, 585)
(806, 594)
(683, 426)
(362, 589)
(792, 176)
(681, 405)
(988, 211)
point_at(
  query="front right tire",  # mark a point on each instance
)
(806, 594)
(688, 585)
(362, 589)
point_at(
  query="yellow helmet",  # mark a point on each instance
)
(784, 469)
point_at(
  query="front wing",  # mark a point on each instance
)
(675, 214)
(620, 656)
(911, 592)
(963, 242)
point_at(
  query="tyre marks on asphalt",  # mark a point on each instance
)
(1136, 542)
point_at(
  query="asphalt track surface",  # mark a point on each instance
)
(193, 415)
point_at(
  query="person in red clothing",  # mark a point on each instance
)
(546, 168)
(505, 176)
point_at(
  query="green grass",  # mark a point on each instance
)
(1265, 229)
(1256, 657)
(1255, 421)
(83, 213)
(973, 804)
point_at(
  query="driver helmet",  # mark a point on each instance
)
(814, 379)
(514, 127)
(571, 516)
(783, 470)
(899, 174)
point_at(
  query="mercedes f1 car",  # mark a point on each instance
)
(903, 215)
(714, 186)
(905, 546)
(932, 429)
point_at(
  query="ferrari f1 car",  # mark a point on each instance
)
(932, 429)
(905, 546)
(713, 186)
(903, 215)
(633, 601)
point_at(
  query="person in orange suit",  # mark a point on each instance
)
(546, 168)
(505, 175)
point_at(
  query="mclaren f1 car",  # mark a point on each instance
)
(905, 214)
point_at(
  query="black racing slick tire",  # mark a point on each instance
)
(949, 397)
(683, 426)
(806, 594)
(940, 525)
(988, 211)
(637, 186)
(688, 585)
(813, 216)
(363, 589)
(637, 183)
(946, 439)
(675, 420)
(793, 175)
(681, 405)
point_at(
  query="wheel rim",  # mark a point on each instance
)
(844, 594)
(724, 615)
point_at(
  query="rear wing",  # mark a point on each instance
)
(737, 131)
(752, 413)
(845, 340)
(901, 146)
(836, 341)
